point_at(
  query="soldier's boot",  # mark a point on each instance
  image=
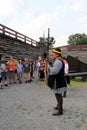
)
(60, 105)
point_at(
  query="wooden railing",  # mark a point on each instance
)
(14, 34)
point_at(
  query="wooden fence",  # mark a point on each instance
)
(16, 35)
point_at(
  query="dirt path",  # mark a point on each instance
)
(30, 107)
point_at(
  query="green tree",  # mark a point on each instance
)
(47, 41)
(77, 39)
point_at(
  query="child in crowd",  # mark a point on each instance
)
(40, 67)
(20, 71)
(27, 70)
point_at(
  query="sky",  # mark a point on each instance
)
(33, 18)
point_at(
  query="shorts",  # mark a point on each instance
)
(19, 74)
(4, 75)
(11, 74)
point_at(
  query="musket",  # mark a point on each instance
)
(45, 68)
(46, 59)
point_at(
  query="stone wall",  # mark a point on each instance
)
(12, 47)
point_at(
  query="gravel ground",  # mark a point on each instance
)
(29, 106)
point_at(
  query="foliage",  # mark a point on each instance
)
(77, 39)
(47, 41)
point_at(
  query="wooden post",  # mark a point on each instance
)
(48, 42)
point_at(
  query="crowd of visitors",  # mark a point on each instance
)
(12, 71)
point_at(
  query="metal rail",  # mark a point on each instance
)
(78, 74)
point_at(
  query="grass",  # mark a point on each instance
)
(78, 125)
(78, 82)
